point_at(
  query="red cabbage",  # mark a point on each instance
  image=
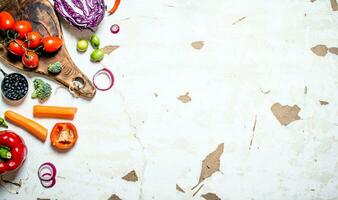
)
(92, 12)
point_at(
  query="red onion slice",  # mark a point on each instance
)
(115, 28)
(48, 184)
(110, 76)
(47, 176)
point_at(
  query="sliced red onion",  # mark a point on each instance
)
(48, 184)
(110, 76)
(47, 176)
(115, 28)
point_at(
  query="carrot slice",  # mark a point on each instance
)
(29, 125)
(116, 5)
(54, 112)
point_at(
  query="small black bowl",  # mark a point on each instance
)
(14, 88)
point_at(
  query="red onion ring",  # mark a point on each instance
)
(115, 28)
(109, 74)
(48, 184)
(46, 174)
(52, 169)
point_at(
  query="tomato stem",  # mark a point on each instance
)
(8, 34)
(21, 45)
(39, 47)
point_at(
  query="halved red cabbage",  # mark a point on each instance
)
(83, 14)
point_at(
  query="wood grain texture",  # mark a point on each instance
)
(45, 21)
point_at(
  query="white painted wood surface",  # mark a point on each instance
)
(141, 125)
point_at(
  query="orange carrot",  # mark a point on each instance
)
(29, 125)
(116, 5)
(54, 112)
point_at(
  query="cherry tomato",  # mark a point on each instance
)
(23, 27)
(17, 47)
(7, 21)
(63, 136)
(34, 40)
(30, 60)
(51, 44)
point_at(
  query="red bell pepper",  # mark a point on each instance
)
(13, 151)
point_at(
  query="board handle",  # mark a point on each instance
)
(77, 82)
(3, 72)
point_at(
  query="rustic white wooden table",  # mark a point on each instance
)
(255, 54)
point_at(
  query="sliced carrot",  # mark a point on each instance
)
(29, 125)
(116, 5)
(54, 112)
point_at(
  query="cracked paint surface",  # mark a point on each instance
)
(233, 81)
(138, 139)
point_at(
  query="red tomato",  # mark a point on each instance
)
(51, 44)
(23, 27)
(17, 47)
(7, 21)
(30, 60)
(34, 40)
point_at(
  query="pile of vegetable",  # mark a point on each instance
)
(98, 54)
(13, 150)
(58, 135)
(22, 42)
(27, 45)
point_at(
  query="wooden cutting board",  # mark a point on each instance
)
(45, 21)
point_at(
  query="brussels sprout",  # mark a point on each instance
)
(95, 41)
(82, 45)
(97, 55)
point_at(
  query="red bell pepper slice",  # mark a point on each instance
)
(114, 8)
(63, 136)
